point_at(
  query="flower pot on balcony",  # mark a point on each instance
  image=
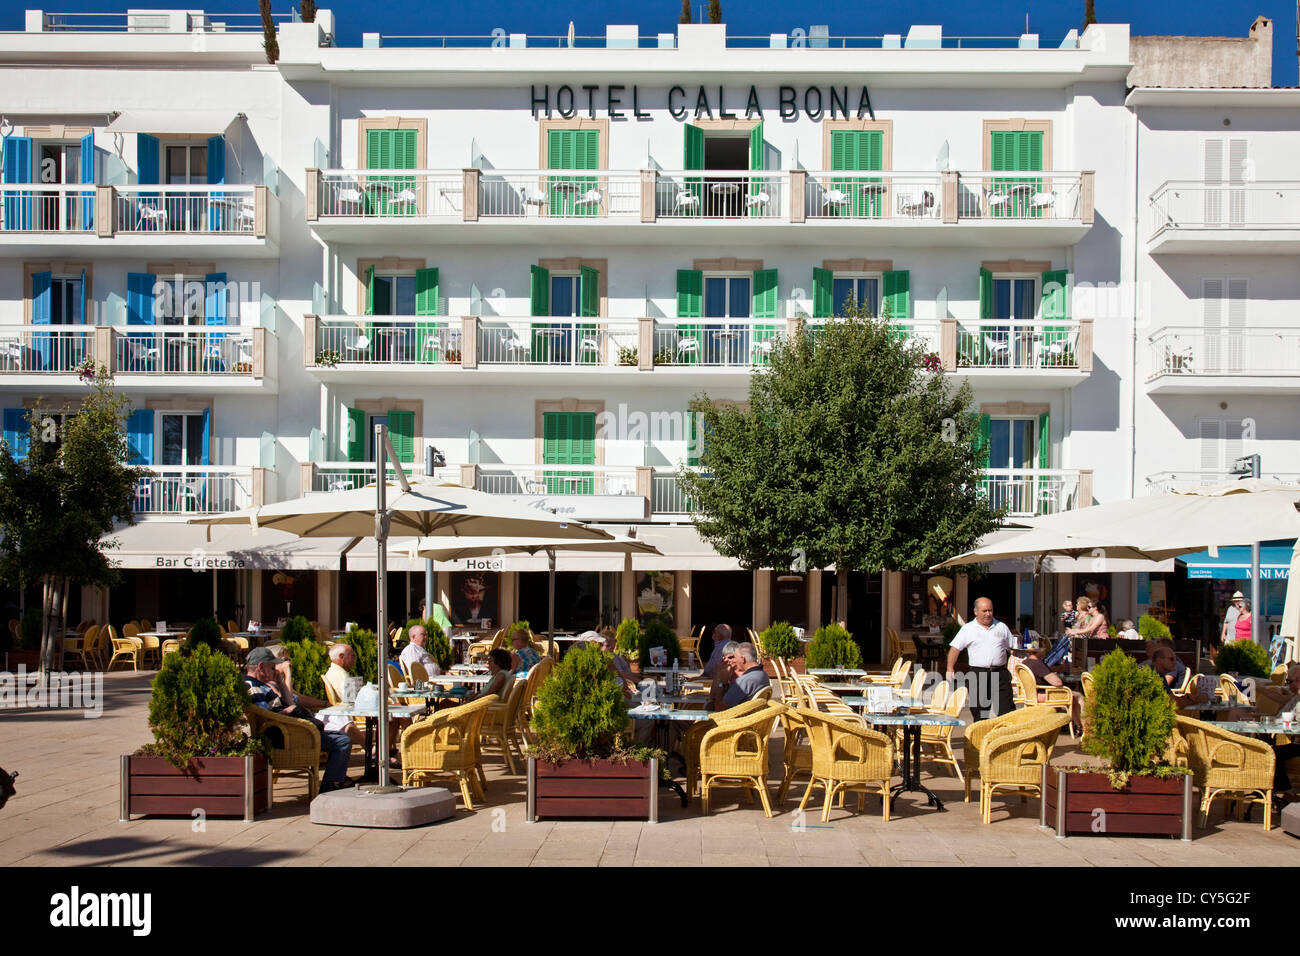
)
(218, 786)
(594, 789)
(1086, 803)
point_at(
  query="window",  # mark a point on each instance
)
(67, 300)
(727, 297)
(59, 163)
(394, 294)
(856, 196)
(865, 291)
(1221, 445)
(1227, 161)
(565, 295)
(1223, 317)
(183, 438)
(1013, 442)
(725, 196)
(569, 438)
(180, 300)
(1015, 297)
(570, 149)
(392, 149)
(187, 165)
(1016, 151)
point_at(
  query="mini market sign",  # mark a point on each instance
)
(624, 102)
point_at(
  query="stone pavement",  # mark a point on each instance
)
(65, 814)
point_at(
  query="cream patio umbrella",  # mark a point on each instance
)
(422, 509)
(454, 549)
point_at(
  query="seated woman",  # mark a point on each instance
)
(502, 680)
(1091, 622)
(524, 657)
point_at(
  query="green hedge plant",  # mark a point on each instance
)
(362, 642)
(197, 708)
(779, 640)
(627, 639)
(309, 661)
(205, 631)
(297, 630)
(658, 634)
(832, 646)
(1243, 657)
(581, 709)
(1151, 629)
(1130, 718)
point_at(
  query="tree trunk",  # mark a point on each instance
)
(63, 618)
(48, 598)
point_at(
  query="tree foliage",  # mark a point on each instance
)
(848, 453)
(1152, 629)
(715, 11)
(687, 15)
(197, 707)
(270, 43)
(832, 646)
(205, 631)
(581, 709)
(779, 640)
(57, 503)
(1130, 716)
(627, 639)
(362, 641)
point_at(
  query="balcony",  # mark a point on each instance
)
(1190, 361)
(1026, 492)
(199, 489)
(1165, 481)
(317, 476)
(1017, 352)
(219, 220)
(1196, 218)
(699, 206)
(183, 359)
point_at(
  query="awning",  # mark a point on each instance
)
(209, 122)
(683, 550)
(364, 557)
(1233, 563)
(173, 545)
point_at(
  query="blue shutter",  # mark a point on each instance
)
(18, 169)
(41, 302)
(139, 311)
(83, 318)
(214, 313)
(88, 179)
(16, 432)
(216, 176)
(139, 436)
(146, 159)
(207, 422)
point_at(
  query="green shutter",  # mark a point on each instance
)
(982, 441)
(1002, 150)
(692, 440)
(690, 305)
(764, 306)
(693, 158)
(588, 307)
(896, 294)
(354, 442)
(570, 149)
(973, 347)
(756, 147)
(986, 294)
(428, 335)
(1030, 154)
(539, 304)
(1056, 306)
(401, 430)
(1017, 151)
(569, 438)
(391, 149)
(1044, 441)
(858, 150)
(370, 290)
(823, 293)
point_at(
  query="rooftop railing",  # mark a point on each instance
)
(1186, 204)
(797, 39)
(1193, 351)
(158, 21)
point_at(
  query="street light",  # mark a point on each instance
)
(1248, 467)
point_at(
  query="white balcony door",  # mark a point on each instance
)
(1221, 445)
(1226, 162)
(59, 163)
(1013, 445)
(1223, 315)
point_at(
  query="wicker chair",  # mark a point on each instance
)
(446, 744)
(1026, 690)
(537, 675)
(75, 647)
(695, 734)
(977, 731)
(1013, 757)
(936, 742)
(502, 723)
(735, 753)
(299, 752)
(479, 650)
(918, 684)
(939, 699)
(847, 757)
(169, 645)
(1228, 765)
(1230, 692)
(127, 650)
(104, 647)
(796, 755)
(129, 629)
(896, 676)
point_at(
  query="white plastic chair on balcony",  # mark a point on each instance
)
(404, 198)
(12, 352)
(916, 208)
(531, 196)
(190, 494)
(140, 354)
(758, 200)
(433, 347)
(590, 199)
(998, 350)
(1057, 350)
(836, 199)
(1043, 200)
(685, 200)
(589, 345)
(994, 200)
(687, 345)
(762, 348)
(349, 198)
(358, 347)
(151, 213)
(510, 344)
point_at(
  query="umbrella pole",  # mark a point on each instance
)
(550, 602)
(381, 598)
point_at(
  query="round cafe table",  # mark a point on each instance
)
(663, 718)
(911, 769)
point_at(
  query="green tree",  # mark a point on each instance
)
(686, 12)
(1089, 13)
(270, 43)
(848, 453)
(307, 8)
(56, 504)
(715, 11)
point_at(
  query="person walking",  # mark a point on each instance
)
(986, 641)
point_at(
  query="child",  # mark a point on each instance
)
(1068, 617)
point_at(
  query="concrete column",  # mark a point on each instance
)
(948, 199)
(892, 598)
(508, 599)
(645, 481)
(627, 593)
(105, 211)
(1083, 497)
(798, 184)
(327, 590)
(961, 596)
(469, 341)
(260, 483)
(1083, 349)
(310, 324)
(106, 346)
(469, 208)
(469, 476)
(762, 614)
(442, 588)
(255, 597)
(312, 194)
(306, 476)
(813, 596)
(1087, 188)
(649, 185)
(948, 344)
(645, 344)
(261, 198)
(682, 601)
(259, 352)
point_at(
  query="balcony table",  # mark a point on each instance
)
(1267, 727)
(371, 715)
(911, 769)
(398, 337)
(837, 672)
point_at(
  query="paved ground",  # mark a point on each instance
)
(66, 809)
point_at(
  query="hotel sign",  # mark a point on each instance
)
(589, 507)
(624, 102)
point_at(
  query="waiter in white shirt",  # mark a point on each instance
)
(986, 642)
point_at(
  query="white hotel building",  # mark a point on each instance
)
(531, 254)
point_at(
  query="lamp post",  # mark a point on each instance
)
(433, 459)
(1248, 466)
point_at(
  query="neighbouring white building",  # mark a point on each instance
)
(530, 253)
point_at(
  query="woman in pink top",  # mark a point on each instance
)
(1243, 622)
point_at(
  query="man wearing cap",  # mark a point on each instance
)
(266, 688)
(985, 641)
(1229, 632)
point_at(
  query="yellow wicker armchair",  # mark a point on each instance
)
(977, 731)
(127, 650)
(896, 676)
(936, 742)
(918, 684)
(1228, 765)
(502, 722)
(478, 651)
(847, 757)
(446, 744)
(299, 752)
(697, 730)
(1230, 692)
(1027, 689)
(150, 651)
(537, 675)
(939, 699)
(73, 647)
(735, 753)
(796, 753)
(1012, 758)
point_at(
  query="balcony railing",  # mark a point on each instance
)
(1184, 204)
(559, 194)
(45, 348)
(185, 350)
(1191, 351)
(667, 496)
(1163, 481)
(229, 210)
(194, 489)
(1025, 492)
(349, 475)
(46, 207)
(387, 340)
(787, 196)
(557, 480)
(594, 342)
(222, 350)
(1018, 343)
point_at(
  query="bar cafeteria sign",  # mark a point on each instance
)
(615, 100)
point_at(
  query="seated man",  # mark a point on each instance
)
(723, 673)
(1169, 667)
(1127, 632)
(1044, 674)
(721, 638)
(267, 688)
(414, 653)
(342, 659)
(748, 677)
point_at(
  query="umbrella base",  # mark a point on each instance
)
(383, 807)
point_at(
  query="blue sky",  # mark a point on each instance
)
(761, 17)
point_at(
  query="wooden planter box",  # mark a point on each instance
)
(593, 789)
(1086, 803)
(219, 786)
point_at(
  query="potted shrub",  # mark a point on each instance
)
(362, 641)
(658, 633)
(200, 759)
(1130, 720)
(779, 640)
(1243, 659)
(627, 639)
(832, 646)
(308, 658)
(581, 766)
